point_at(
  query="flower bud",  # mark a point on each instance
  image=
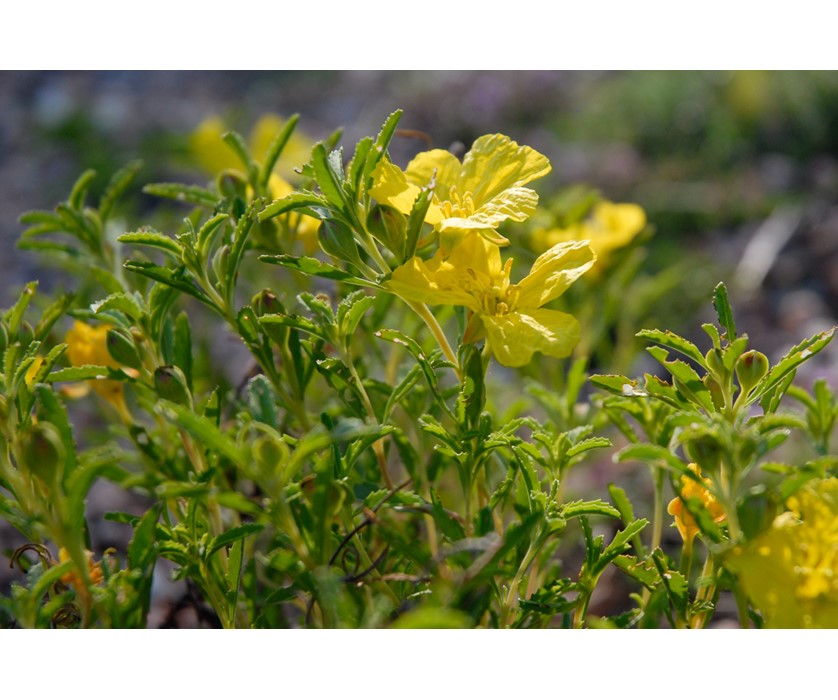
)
(715, 362)
(388, 226)
(750, 368)
(170, 384)
(265, 302)
(337, 240)
(121, 348)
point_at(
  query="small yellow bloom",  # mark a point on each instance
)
(508, 315)
(213, 155)
(690, 488)
(72, 578)
(609, 227)
(791, 570)
(87, 345)
(479, 194)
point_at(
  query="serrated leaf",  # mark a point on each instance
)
(789, 363)
(154, 240)
(276, 148)
(597, 507)
(641, 571)
(171, 278)
(116, 187)
(316, 268)
(191, 194)
(307, 201)
(122, 302)
(87, 372)
(586, 445)
(724, 312)
(617, 384)
(80, 188)
(675, 342)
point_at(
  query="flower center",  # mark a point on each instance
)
(457, 206)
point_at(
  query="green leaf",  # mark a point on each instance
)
(51, 314)
(653, 455)
(789, 363)
(116, 187)
(243, 228)
(297, 200)
(351, 310)
(154, 240)
(316, 268)
(86, 372)
(276, 148)
(80, 188)
(202, 429)
(262, 401)
(585, 445)
(294, 321)
(128, 304)
(675, 342)
(192, 194)
(328, 180)
(171, 278)
(417, 219)
(14, 316)
(382, 142)
(617, 384)
(598, 507)
(643, 572)
(237, 144)
(232, 535)
(724, 312)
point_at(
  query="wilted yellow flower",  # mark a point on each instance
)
(509, 315)
(212, 154)
(609, 227)
(690, 488)
(29, 377)
(478, 194)
(87, 345)
(72, 578)
(791, 570)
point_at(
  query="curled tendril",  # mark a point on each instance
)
(43, 554)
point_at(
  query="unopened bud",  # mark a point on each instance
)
(170, 384)
(121, 348)
(388, 226)
(750, 368)
(266, 302)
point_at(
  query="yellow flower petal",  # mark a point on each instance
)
(514, 337)
(496, 163)
(554, 271)
(421, 169)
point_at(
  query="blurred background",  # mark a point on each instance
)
(737, 171)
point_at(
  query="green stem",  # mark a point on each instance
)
(433, 325)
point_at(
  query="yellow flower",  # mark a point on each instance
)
(690, 488)
(509, 315)
(72, 578)
(610, 226)
(791, 570)
(87, 345)
(478, 194)
(213, 155)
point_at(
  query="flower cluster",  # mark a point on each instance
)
(791, 570)
(471, 199)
